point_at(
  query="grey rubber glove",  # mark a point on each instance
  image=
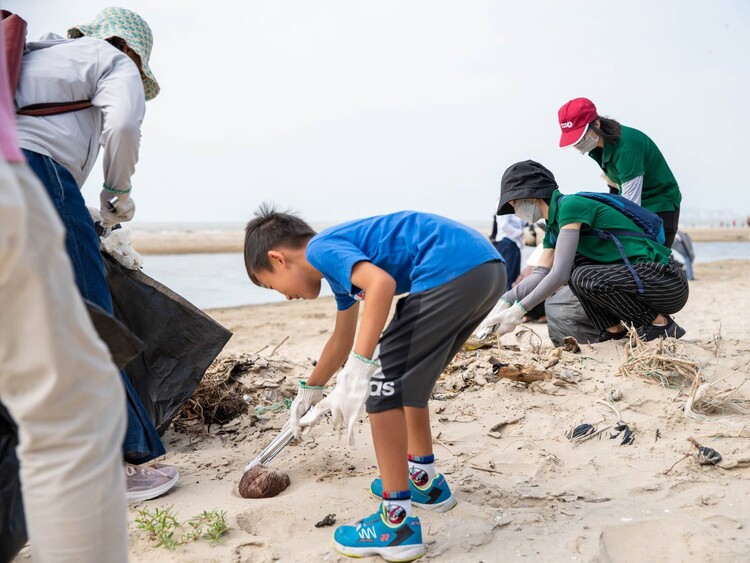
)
(307, 396)
(124, 208)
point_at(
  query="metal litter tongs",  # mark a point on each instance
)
(274, 448)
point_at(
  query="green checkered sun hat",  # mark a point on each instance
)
(127, 25)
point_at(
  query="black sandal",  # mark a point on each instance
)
(669, 330)
(606, 335)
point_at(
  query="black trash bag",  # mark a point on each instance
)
(566, 317)
(181, 340)
(123, 345)
(12, 521)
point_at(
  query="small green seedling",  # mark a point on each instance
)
(162, 527)
(215, 522)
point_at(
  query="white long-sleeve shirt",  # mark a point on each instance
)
(65, 70)
(510, 227)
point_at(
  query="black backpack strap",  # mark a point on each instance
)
(608, 235)
(639, 234)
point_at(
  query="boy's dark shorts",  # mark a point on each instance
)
(427, 331)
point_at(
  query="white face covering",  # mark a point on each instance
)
(527, 210)
(588, 143)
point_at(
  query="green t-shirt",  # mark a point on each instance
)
(593, 214)
(636, 155)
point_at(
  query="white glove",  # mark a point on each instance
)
(346, 400)
(508, 320)
(307, 396)
(124, 208)
(489, 322)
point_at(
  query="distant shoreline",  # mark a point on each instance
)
(212, 242)
(718, 234)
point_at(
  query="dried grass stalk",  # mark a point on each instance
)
(716, 398)
(661, 361)
(657, 361)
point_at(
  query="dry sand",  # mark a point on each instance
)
(186, 242)
(525, 492)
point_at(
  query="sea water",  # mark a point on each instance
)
(219, 280)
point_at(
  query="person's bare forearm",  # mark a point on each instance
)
(379, 288)
(377, 307)
(337, 348)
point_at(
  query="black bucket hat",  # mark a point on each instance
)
(527, 179)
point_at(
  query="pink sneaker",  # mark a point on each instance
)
(144, 483)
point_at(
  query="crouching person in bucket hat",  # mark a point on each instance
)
(621, 280)
(104, 66)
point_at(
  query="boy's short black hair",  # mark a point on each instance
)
(268, 230)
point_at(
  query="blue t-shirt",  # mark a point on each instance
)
(419, 250)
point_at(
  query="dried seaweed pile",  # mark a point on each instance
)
(716, 398)
(233, 386)
(526, 363)
(665, 362)
(660, 361)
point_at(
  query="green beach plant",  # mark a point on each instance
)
(163, 528)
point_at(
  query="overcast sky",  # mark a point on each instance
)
(345, 108)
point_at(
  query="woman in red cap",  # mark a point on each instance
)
(632, 163)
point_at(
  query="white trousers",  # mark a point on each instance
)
(59, 384)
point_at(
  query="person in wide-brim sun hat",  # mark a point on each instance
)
(101, 78)
(131, 28)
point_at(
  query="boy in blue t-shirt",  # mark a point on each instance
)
(453, 278)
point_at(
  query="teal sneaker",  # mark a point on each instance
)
(435, 495)
(377, 535)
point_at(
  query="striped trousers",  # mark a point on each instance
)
(609, 294)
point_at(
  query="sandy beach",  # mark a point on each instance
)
(186, 242)
(524, 489)
(366, 148)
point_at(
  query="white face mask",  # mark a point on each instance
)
(588, 143)
(527, 210)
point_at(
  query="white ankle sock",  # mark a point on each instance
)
(396, 507)
(422, 471)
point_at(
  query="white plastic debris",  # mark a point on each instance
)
(117, 245)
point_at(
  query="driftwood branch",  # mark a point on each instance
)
(522, 374)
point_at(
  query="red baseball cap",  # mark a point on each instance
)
(574, 117)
